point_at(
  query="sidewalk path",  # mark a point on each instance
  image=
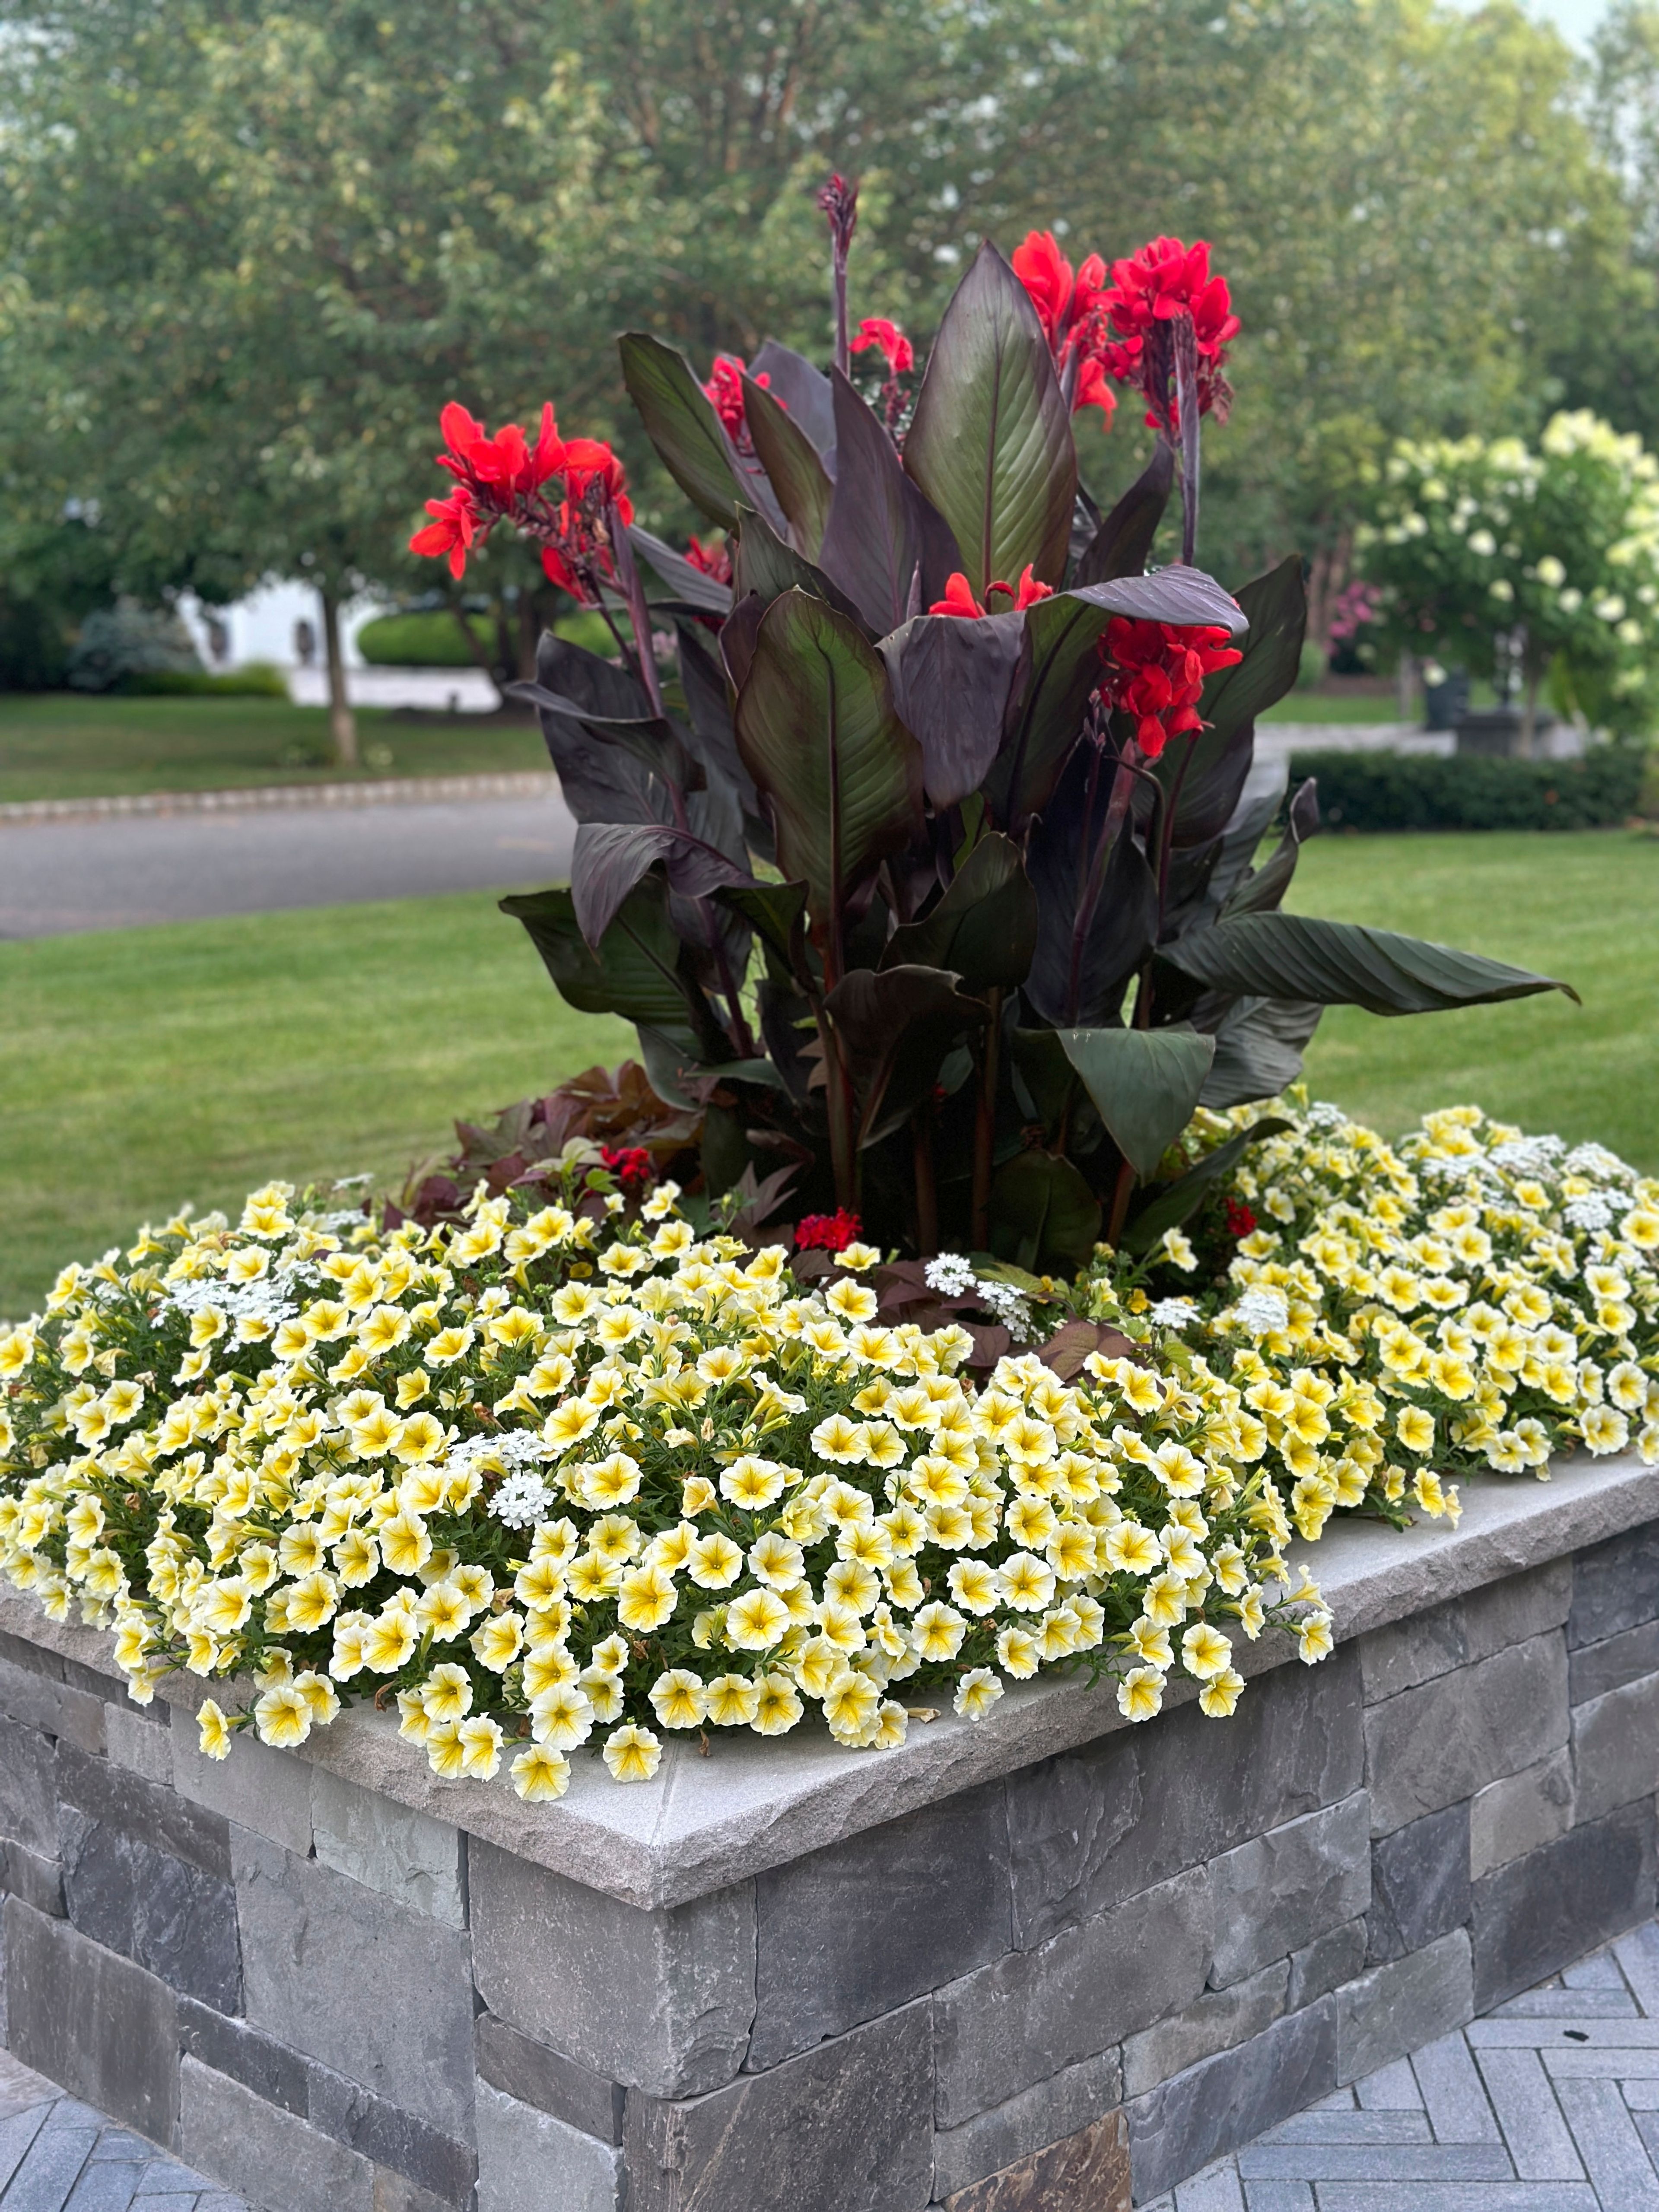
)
(58, 879)
(57, 2155)
(1551, 2104)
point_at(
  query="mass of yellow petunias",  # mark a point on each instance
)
(584, 1474)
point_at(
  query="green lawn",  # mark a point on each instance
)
(63, 744)
(1338, 707)
(142, 1068)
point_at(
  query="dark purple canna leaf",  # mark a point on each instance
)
(1185, 597)
(1144, 1084)
(689, 583)
(1259, 1043)
(952, 682)
(885, 546)
(1123, 544)
(1339, 963)
(1264, 889)
(764, 566)
(683, 426)
(1085, 955)
(610, 858)
(896, 1028)
(804, 390)
(792, 467)
(990, 442)
(984, 927)
(1042, 1213)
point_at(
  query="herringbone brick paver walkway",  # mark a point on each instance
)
(59, 2155)
(1551, 2104)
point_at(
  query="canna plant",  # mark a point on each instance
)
(926, 867)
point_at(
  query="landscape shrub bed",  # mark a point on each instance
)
(1416, 791)
(593, 1465)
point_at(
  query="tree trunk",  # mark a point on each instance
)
(341, 722)
(1529, 715)
(1405, 685)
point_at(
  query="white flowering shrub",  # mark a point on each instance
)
(583, 1473)
(1469, 1299)
(1488, 551)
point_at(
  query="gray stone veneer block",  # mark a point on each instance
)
(1595, 1669)
(388, 2134)
(1218, 2020)
(380, 1995)
(140, 1738)
(533, 2074)
(1615, 1747)
(53, 1706)
(1187, 2121)
(1465, 1629)
(1326, 1964)
(1615, 1585)
(1275, 1893)
(1097, 1824)
(259, 1787)
(91, 2021)
(1535, 1916)
(1429, 1747)
(1088, 2172)
(407, 1855)
(114, 1797)
(269, 2156)
(1420, 1884)
(528, 2161)
(260, 2063)
(1017, 2021)
(863, 1927)
(28, 1789)
(845, 2128)
(1394, 2008)
(1509, 1818)
(163, 1911)
(38, 1881)
(1046, 2114)
(659, 2001)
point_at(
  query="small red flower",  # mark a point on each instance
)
(959, 596)
(725, 392)
(715, 561)
(827, 1232)
(451, 531)
(890, 342)
(1158, 675)
(1241, 1222)
(630, 1165)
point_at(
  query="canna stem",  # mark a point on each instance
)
(985, 1124)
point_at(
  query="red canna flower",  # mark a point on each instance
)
(1092, 389)
(959, 596)
(890, 342)
(827, 1232)
(725, 391)
(1157, 672)
(507, 479)
(715, 561)
(451, 531)
(1241, 1222)
(1069, 307)
(1166, 283)
(630, 1165)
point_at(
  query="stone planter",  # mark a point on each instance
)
(1494, 732)
(1047, 1962)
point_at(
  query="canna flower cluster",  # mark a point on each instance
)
(1156, 676)
(505, 479)
(587, 1475)
(1469, 1299)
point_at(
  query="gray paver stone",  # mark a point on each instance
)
(1595, 1668)
(1324, 1964)
(1094, 1826)
(533, 2074)
(1218, 2020)
(659, 2001)
(271, 2156)
(407, 1855)
(845, 2128)
(1067, 2103)
(1420, 1884)
(1223, 2101)
(1537, 1913)
(47, 2173)
(1615, 1585)
(1431, 1745)
(258, 1786)
(1275, 1893)
(998, 2030)
(529, 2161)
(857, 1930)
(1615, 1747)
(381, 1995)
(1394, 2008)
(89, 2019)
(1514, 1816)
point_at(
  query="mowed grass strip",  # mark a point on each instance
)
(141, 1068)
(64, 745)
(1583, 907)
(144, 1067)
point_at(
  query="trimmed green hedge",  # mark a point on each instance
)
(1422, 790)
(432, 640)
(258, 680)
